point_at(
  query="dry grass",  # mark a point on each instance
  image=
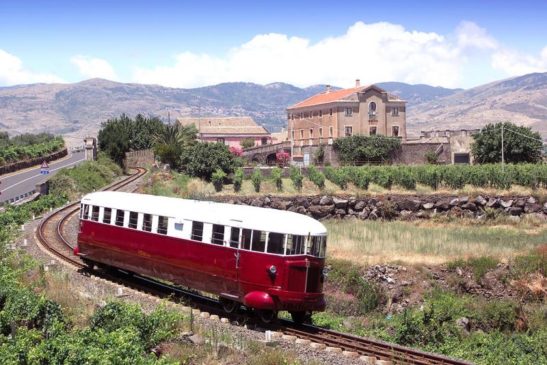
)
(428, 242)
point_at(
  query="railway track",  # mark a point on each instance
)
(51, 236)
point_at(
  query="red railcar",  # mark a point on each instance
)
(266, 259)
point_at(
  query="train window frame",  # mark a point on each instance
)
(147, 223)
(246, 238)
(163, 224)
(316, 246)
(231, 242)
(85, 214)
(119, 214)
(216, 231)
(105, 215)
(95, 212)
(260, 240)
(197, 231)
(133, 220)
(302, 245)
(281, 246)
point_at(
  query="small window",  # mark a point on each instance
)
(259, 241)
(395, 111)
(147, 222)
(119, 217)
(292, 135)
(179, 227)
(317, 246)
(372, 108)
(348, 131)
(395, 131)
(133, 219)
(95, 214)
(301, 134)
(85, 214)
(246, 239)
(311, 132)
(330, 131)
(234, 237)
(330, 111)
(276, 241)
(296, 245)
(218, 234)
(264, 141)
(349, 112)
(162, 224)
(320, 132)
(372, 131)
(107, 215)
(220, 140)
(320, 113)
(197, 231)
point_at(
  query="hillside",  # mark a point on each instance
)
(522, 100)
(76, 110)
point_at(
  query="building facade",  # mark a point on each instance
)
(229, 130)
(361, 110)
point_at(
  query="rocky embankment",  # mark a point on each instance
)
(399, 206)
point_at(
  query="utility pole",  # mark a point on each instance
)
(502, 151)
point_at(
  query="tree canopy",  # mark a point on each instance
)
(520, 144)
(202, 159)
(358, 150)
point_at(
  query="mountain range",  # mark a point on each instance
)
(78, 109)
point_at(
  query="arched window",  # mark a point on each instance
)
(372, 108)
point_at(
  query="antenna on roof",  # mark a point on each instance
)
(357, 83)
(328, 89)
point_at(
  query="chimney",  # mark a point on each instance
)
(357, 83)
(328, 89)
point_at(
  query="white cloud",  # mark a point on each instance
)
(91, 67)
(12, 72)
(372, 52)
(470, 35)
(514, 63)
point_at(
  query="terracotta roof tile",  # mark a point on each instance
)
(328, 97)
(225, 125)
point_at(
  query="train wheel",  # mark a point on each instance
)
(90, 265)
(301, 317)
(229, 306)
(267, 316)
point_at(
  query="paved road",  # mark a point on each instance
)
(19, 184)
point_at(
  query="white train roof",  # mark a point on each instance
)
(264, 219)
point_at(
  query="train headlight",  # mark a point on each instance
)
(273, 270)
(325, 272)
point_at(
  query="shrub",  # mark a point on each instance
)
(429, 175)
(296, 177)
(236, 151)
(218, 179)
(338, 176)
(276, 176)
(405, 177)
(247, 143)
(319, 156)
(431, 157)
(282, 158)
(202, 159)
(316, 177)
(360, 176)
(256, 178)
(454, 177)
(382, 176)
(362, 149)
(238, 179)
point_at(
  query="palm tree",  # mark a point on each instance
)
(170, 141)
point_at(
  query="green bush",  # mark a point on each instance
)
(296, 178)
(276, 176)
(256, 178)
(360, 177)
(356, 150)
(382, 176)
(404, 177)
(218, 179)
(338, 176)
(316, 176)
(202, 159)
(238, 179)
(454, 177)
(429, 175)
(28, 146)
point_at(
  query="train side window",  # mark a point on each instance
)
(315, 244)
(234, 237)
(107, 215)
(119, 217)
(147, 222)
(296, 245)
(259, 241)
(218, 234)
(197, 231)
(162, 224)
(276, 243)
(133, 219)
(86, 212)
(246, 239)
(95, 213)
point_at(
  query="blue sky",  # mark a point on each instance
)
(189, 44)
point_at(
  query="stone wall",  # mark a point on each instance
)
(138, 158)
(32, 162)
(400, 206)
(414, 153)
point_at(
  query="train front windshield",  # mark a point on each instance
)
(306, 245)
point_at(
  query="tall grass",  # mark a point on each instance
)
(377, 241)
